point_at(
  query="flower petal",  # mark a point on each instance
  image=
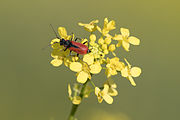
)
(75, 66)
(112, 92)
(62, 32)
(135, 71)
(95, 68)
(82, 77)
(134, 40)
(56, 62)
(69, 90)
(92, 37)
(125, 45)
(117, 37)
(124, 32)
(97, 90)
(108, 98)
(89, 59)
(124, 72)
(131, 80)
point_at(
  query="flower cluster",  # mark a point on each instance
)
(101, 57)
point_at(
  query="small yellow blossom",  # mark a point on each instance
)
(104, 46)
(112, 47)
(125, 40)
(103, 94)
(95, 68)
(88, 58)
(107, 40)
(82, 69)
(63, 33)
(113, 65)
(129, 72)
(101, 41)
(91, 27)
(112, 87)
(108, 26)
(76, 99)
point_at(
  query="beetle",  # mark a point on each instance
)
(79, 48)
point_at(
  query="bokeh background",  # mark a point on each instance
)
(32, 89)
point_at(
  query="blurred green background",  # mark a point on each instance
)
(32, 89)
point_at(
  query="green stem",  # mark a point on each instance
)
(74, 107)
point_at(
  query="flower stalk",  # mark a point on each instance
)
(74, 106)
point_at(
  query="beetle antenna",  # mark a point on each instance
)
(54, 31)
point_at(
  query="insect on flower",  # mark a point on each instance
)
(79, 48)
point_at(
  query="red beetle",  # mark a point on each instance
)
(77, 47)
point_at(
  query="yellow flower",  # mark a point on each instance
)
(95, 68)
(125, 40)
(63, 33)
(76, 99)
(113, 65)
(103, 94)
(129, 72)
(59, 55)
(88, 58)
(82, 69)
(112, 87)
(108, 26)
(91, 27)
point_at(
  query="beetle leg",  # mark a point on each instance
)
(85, 42)
(77, 39)
(72, 36)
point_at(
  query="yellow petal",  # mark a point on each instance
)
(108, 98)
(131, 80)
(62, 32)
(135, 71)
(92, 37)
(55, 40)
(129, 65)
(56, 62)
(125, 45)
(89, 59)
(124, 32)
(69, 90)
(107, 40)
(125, 72)
(104, 46)
(75, 66)
(134, 40)
(95, 68)
(82, 77)
(111, 25)
(76, 100)
(106, 88)
(97, 90)
(106, 51)
(93, 22)
(105, 22)
(101, 41)
(112, 47)
(112, 92)
(117, 37)
(119, 43)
